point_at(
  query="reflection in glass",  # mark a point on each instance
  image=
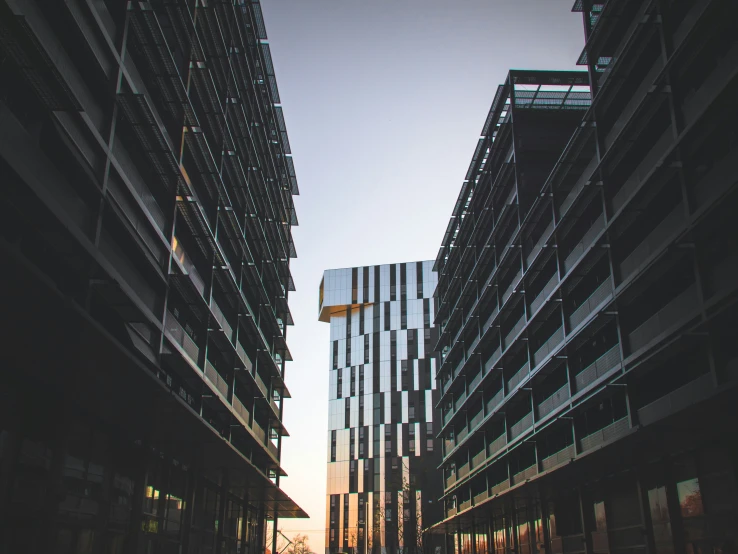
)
(690, 498)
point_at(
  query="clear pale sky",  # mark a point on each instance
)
(384, 102)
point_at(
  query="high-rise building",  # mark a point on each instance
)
(145, 238)
(587, 307)
(383, 456)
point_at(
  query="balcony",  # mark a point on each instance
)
(180, 336)
(524, 475)
(243, 357)
(598, 368)
(241, 410)
(496, 445)
(539, 245)
(521, 426)
(465, 505)
(490, 319)
(686, 395)
(260, 383)
(189, 267)
(450, 480)
(259, 432)
(212, 375)
(492, 360)
(583, 245)
(593, 301)
(656, 239)
(221, 320)
(499, 487)
(545, 292)
(481, 497)
(476, 380)
(510, 336)
(511, 288)
(549, 346)
(463, 471)
(273, 450)
(607, 433)
(518, 377)
(478, 458)
(680, 309)
(563, 455)
(495, 401)
(554, 401)
(476, 419)
(461, 435)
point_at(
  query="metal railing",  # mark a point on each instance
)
(180, 336)
(678, 399)
(476, 419)
(547, 289)
(684, 304)
(465, 504)
(553, 401)
(587, 240)
(221, 319)
(514, 331)
(549, 346)
(479, 458)
(495, 401)
(539, 245)
(525, 474)
(653, 242)
(493, 359)
(463, 471)
(241, 410)
(598, 368)
(481, 497)
(273, 449)
(244, 357)
(518, 377)
(461, 434)
(605, 434)
(476, 380)
(588, 306)
(260, 384)
(513, 285)
(499, 487)
(521, 426)
(563, 455)
(490, 319)
(496, 445)
(212, 375)
(258, 431)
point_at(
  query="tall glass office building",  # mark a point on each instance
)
(382, 454)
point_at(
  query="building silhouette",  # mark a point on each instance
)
(383, 455)
(586, 298)
(145, 240)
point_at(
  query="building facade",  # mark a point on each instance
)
(383, 456)
(587, 306)
(145, 240)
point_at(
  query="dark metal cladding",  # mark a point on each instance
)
(587, 298)
(145, 234)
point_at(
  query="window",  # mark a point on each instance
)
(690, 498)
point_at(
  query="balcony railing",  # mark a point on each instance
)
(493, 402)
(518, 377)
(459, 400)
(585, 243)
(475, 380)
(598, 368)
(549, 346)
(605, 434)
(514, 331)
(553, 401)
(461, 435)
(686, 395)
(548, 288)
(563, 455)
(180, 336)
(260, 384)
(591, 303)
(653, 242)
(521, 426)
(499, 487)
(216, 379)
(465, 504)
(476, 419)
(492, 360)
(490, 319)
(479, 458)
(273, 449)
(222, 321)
(685, 304)
(243, 357)
(241, 410)
(539, 245)
(525, 474)
(463, 471)
(451, 480)
(496, 445)
(481, 497)
(189, 267)
(259, 432)
(513, 285)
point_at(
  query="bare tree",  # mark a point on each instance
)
(299, 545)
(282, 541)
